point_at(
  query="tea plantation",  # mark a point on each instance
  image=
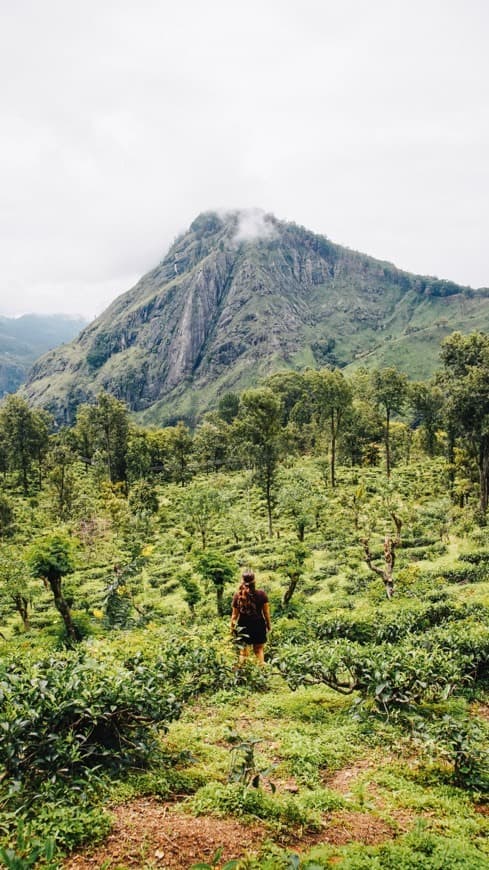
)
(362, 742)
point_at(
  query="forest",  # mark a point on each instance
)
(360, 500)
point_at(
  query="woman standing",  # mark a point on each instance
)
(251, 615)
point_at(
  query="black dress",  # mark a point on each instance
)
(252, 627)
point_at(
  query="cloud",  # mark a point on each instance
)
(117, 136)
(254, 224)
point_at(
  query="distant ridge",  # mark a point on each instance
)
(242, 294)
(23, 339)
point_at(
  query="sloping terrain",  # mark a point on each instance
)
(235, 299)
(24, 339)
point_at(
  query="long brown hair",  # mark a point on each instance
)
(246, 602)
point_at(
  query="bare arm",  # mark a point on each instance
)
(266, 615)
(234, 617)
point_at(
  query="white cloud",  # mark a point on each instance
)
(122, 121)
(254, 224)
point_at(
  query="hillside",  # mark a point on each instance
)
(144, 745)
(24, 339)
(240, 295)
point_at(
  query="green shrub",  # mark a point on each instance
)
(419, 850)
(69, 712)
(469, 573)
(394, 675)
(480, 557)
(238, 800)
(463, 745)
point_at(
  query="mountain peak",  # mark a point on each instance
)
(241, 294)
(239, 225)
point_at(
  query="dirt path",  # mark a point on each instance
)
(148, 833)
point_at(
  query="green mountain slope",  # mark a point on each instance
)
(241, 295)
(24, 339)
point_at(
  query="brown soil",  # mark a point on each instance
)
(347, 827)
(149, 833)
(343, 779)
(146, 831)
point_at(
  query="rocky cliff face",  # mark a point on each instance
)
(237, 296)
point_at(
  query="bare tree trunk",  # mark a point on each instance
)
(484, 477)
(63, 607)
(293, 581)
(390, 545)
(387, 444)
(22, 606)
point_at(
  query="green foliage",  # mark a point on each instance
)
(6, 516)
(143, 498)
(465, 380)
(258, 426)
(67, 713)
(418, 850)
(238, 800)
(217, 569)
(191, 589)
(25, 436)
(27, 852)
(463, 745)
(216, 863)
(74, 722)
(394, 676)
(243, 768)
(201, 506)
(51, 557)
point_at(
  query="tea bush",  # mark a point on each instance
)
(465, 573)
(461, 744)
(69, 712)
(394, 676)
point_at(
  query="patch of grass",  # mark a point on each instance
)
(253, 803)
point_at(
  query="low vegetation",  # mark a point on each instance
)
(363, 742)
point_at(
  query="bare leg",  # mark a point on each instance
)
(259, 650)
(243, 654)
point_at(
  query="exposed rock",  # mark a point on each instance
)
(237, 297)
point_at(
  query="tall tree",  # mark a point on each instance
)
(16, 584)
(390, 393)
(180, 444)
(427, 404)
(201, 506)
(61, 476)
(465, 380)
(330, 394)
(211, 443)
(290, 387)
(25, 435)
(43, 423)
(300, 500)
(109, 421)
(228, 407)
(84, 434)
(259, 425)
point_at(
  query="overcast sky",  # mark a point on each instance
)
(365, 120)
